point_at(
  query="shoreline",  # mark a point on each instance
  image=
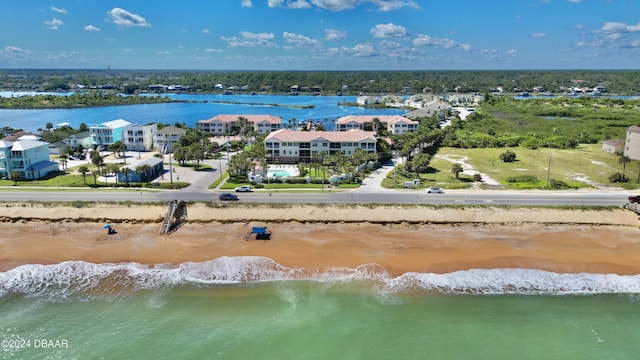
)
(399, 238)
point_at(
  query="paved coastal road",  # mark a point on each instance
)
(359, 197)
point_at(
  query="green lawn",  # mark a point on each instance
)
(587, 162)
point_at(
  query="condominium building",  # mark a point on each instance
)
(290, 146)
(394, 124)
(231, 124)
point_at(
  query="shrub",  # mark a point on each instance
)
(558, 184)
(618, 177)
(477, 177)
(523, 179)
(295, 180)
(508, 156)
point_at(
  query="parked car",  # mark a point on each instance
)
(634, 199)
(228, 197)
(244, 189)
(435, 190)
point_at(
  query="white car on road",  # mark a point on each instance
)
(244, 189)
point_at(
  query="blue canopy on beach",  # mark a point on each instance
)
(106, 226)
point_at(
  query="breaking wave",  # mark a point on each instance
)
(86, 279)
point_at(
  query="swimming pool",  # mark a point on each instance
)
(277, 173)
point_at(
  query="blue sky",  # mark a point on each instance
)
(321, 34)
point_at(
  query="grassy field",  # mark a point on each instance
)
(587, 166)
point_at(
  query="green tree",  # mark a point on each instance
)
(16, 176)
(456, 169)
(508, 156)
(144, 170)
(623, 159)
(84, 170)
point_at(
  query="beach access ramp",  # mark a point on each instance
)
(175, 217)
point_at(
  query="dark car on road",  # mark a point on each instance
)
(228, 197)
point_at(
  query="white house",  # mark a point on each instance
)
(139, 137)
(79, 140)
(30, 158)
(632, 143)
(290, 146)
(165, 138)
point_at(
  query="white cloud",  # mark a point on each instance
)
(54, 24)
(426, 40)
(339, 5)
(512, 52)
(210, 50)
(575, 1)
(538, 35)
(163, 52)
(206, 31)
(58, 10)
(334, 35)
(248, 39)
(298, 4)
(124, 18)
(91, 28)
(388, 5)
(275, 3)
(388, 30)
(300, 40)
(618, 27)
(247, 3)
(361, 50)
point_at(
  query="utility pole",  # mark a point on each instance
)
(549, 172)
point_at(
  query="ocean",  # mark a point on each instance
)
(254, 308)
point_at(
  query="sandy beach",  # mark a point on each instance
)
(401, 239)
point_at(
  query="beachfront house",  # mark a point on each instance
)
(632, 143)
(395, 124)
(28, 159)
(227, 124)
(291, 147)
(105, 134)
(165, 138)
(139, 137)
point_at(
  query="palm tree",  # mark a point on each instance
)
(125, 171)
(456, 169)
(84, 170)
(623, 159)
(143, 171)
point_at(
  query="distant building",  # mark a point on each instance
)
(29, 158)
(290, 146)
(79, 140)
(107, 133)
(230, 124)
(394, 124)
(165, 138)
(632, 143)
(613, 146)
(139, 137)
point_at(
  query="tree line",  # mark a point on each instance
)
(327, 82)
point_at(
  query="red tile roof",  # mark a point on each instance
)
(331, 136)
(228, 118)
(389, 119)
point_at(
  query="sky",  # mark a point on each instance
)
(320, 34)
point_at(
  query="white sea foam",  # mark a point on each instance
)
(77, 277)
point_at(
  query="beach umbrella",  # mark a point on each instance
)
(106, 226)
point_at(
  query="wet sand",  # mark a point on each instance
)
(401, 239)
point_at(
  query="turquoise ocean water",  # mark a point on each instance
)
(253, 308)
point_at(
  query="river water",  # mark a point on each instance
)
(205, 106)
